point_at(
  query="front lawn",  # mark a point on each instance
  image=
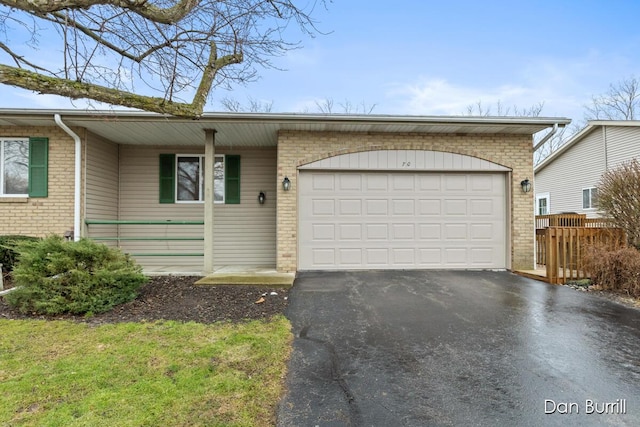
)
(60, 373)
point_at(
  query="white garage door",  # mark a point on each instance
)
(398, 220)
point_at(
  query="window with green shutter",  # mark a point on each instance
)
(232, 180)
(167, 186)
(182, 178)
(38, 167)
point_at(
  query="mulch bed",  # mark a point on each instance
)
(177, 298)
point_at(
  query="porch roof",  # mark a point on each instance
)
(261, 129)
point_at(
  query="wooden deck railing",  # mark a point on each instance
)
(564, 249)
(560, 220)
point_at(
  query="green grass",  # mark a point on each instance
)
(57, 373)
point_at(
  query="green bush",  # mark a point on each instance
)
(54, 276)
(8, 254)
(614, 269)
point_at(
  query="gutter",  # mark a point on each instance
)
(77, 178)
(546, 137)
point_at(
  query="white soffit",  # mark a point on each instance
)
(254, 130)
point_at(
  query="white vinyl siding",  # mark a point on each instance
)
(101, 185)
(244, 234)
(581, 166)
(623, 144)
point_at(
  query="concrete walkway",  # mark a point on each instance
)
(239, 275)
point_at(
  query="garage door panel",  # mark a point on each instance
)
(482, 231)
(383, 220)
(377, 231)
(324, 257)
(379, 182)
(351, 232)
(403, 182)
(322, 182)
(455, 183)
(481, 256)
(322, 207)
(350, 207)
(430, 183)
(430, 257)
(350, 182)
(455, 207)
(403, 207)
(323, 232)
(430, 231)
(455, 257)
(350, 257)
(403, 232)
(403, 256)
(482, 207)
(377, 256)
(429, 207)
(455, 232)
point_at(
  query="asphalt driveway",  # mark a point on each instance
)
(440, 348)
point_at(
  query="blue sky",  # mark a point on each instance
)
(437, 57)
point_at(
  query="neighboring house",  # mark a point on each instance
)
(365, 192)
(567, 180)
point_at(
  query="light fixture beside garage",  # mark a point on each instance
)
(286, 184)
(261, 198)
(526, 185)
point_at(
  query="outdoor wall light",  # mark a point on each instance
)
(261, 198)
(286, 184)
(526, 185)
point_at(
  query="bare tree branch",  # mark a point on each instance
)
(144, 8)
(155, 53)
(621, 102)
(73, 89)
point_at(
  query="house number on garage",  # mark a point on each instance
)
(406, 164)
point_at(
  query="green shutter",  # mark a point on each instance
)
(232, 180)
(167, 178)
(38, 167)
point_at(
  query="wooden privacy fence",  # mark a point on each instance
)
(562, 249)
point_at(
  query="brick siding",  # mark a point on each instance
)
(52, 214)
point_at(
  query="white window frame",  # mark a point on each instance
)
(543, 196)
(2, 166)
(217, 157)
(591, 206)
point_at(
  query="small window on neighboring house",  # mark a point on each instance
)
(542, 204)
(589, 198)
(182, 178)
(23, 167)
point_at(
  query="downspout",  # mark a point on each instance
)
(546, 137)
(78, 176)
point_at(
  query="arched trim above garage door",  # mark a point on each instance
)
(409, 160)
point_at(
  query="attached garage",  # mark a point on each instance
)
(403, 209)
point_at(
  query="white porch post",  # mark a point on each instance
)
(209, 161)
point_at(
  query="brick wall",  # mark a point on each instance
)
(50, 215)
(299, 148)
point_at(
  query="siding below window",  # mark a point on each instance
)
(244, 234)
